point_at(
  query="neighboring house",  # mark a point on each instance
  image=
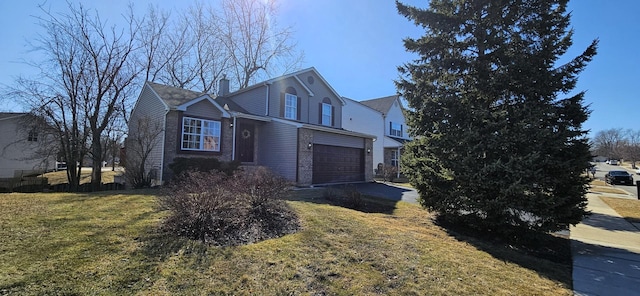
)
(383, 118)
(20, 147)
(291, 124)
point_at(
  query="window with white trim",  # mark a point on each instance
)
(395, 129)
(326, 114)
(200, 134)
(394, 158)
(290, 106)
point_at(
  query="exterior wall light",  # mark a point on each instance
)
(368, 150)
(309, 145)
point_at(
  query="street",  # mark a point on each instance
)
(602, 168)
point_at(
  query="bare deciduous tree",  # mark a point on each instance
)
(609, 143)
(254, 42)
(86, 76)
(92, 70)
(631, 148)
(143, 139)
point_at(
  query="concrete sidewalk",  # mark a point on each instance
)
(606, 253)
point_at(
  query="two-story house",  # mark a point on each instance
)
(291, 124)
(21, 152)
(383, 118)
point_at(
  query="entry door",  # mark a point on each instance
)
(244, 142)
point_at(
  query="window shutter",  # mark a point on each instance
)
(298, 107)
(401, 130)
(390, 128)
(320, 113)
(333, 116)
(282, 104)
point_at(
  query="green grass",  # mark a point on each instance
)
(110, 244)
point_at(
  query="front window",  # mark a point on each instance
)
(395, 129)
(200, 135)
(394, 158)
(290, 106)
(326, 114)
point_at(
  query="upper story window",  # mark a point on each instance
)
(395, 129)
(290, 106)
(326, 112)
(33, 136)
(200, 134)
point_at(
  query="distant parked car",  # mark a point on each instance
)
(612, 162)
(621, 177)
(638, 171)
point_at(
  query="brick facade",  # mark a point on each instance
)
(305, 157)
(172, 143)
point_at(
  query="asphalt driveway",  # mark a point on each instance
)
(388, 191)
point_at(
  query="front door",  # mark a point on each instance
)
(244, 142)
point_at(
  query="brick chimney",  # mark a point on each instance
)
(223, 88)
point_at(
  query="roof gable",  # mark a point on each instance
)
(180, 99)
(381, 104)
(294, 75)
(173, 96)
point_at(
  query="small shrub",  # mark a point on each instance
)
(202, 164)
(137, 177)
(216, 208)
(331, 194)
(348, 196)
(390, 173)
(353, 198)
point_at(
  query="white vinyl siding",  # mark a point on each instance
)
(151, 109)
(200, 135)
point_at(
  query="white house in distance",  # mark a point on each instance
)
(18, 147)
(383, 118)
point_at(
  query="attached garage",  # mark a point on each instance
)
(335, 164)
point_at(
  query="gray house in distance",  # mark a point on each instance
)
(291, 124)
(20, 152)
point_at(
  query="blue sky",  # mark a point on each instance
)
(357, 45)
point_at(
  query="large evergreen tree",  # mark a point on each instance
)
(499, 143)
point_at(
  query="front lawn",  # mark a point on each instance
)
(629, 209)
(110, 244)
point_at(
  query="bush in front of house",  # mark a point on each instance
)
(228, 210)
(202, 164)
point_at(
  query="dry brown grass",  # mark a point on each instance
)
(60, 177)
(81, 244)
(629, 209)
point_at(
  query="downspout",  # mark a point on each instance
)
(233, 145)
(398, 164)
(266, 108)
(164, 134)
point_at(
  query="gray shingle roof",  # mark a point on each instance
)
(5, 115)
(174, 96)
(381, 104)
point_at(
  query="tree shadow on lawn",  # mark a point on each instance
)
(547, 254)
(346, 197)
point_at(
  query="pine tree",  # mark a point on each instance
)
(499, 143)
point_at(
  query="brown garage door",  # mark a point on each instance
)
(333, 164)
